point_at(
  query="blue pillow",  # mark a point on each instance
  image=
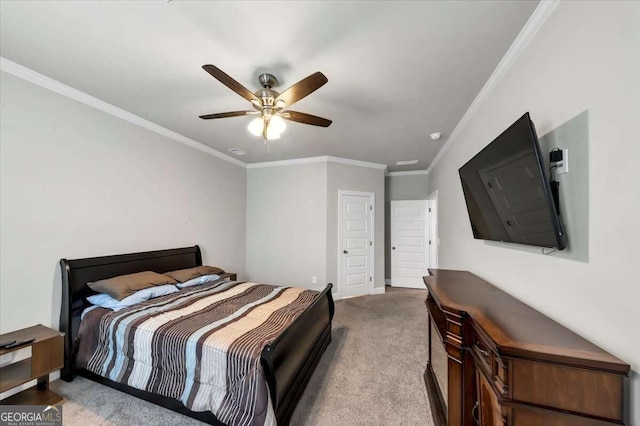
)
(105, 301)
(198, 281)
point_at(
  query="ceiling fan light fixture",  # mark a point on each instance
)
(255, 126)
(274, 129)
(272, 133)
(277, 124)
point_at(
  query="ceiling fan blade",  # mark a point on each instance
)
(225, 79)
(227, 114)
(302, 88)
(301, 117)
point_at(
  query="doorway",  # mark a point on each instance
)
(413, 241)
(355, 243)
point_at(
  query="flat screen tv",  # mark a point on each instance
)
(508, 193)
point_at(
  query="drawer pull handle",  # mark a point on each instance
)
(474, 413)
(482, 351)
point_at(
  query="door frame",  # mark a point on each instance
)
(434, 236)
(427, 231)
(372, 260)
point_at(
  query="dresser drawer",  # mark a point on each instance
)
(488, 360)
(565, 388)
(482, 349)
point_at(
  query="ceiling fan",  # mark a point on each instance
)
(269, 105)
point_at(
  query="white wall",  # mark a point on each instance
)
(407, 187)
(76, 182)
(287, 224)
(585, 57)
(354, 178)
(400, 187)
(292, 221)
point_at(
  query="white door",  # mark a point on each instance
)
(409, 243)
(356, 243)
(434, 239)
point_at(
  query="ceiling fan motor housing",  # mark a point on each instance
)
(267, 96)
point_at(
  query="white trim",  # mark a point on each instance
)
(408, 173)
(372, 258)
(306, 160)
(356, 162)
(434, 234)
(378, 290)
(535, 22)
(25, 73)
(319, 159)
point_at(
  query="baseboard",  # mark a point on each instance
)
(378, 290)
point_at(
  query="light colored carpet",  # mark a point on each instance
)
(371, 374)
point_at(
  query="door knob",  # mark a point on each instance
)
(393, 248)
(345, 252)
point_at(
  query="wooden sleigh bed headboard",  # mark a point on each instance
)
(76, 273)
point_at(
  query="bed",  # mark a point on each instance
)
(287, 362)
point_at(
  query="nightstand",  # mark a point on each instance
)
(47, 355)
(230, 275)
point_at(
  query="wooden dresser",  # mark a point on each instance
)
(507, 364)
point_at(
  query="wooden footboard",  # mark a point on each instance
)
(290, 359)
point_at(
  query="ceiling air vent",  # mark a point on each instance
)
(406, 162)
(237, 151)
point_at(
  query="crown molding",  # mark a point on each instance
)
(408, 173)
(319, 159)
(519, 45)
(356, 163)
(25, 73)
(279, 163)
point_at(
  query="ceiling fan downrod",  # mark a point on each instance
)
(267, 80)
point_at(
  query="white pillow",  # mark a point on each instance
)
(105, 301)
(198, 281)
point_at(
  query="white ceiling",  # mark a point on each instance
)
(397, 71)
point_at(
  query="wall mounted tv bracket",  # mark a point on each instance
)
(558, 162)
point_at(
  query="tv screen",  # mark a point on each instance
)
(507, 191)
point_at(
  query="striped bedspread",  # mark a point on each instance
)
(201, 345)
